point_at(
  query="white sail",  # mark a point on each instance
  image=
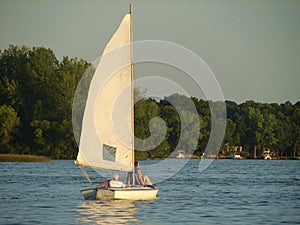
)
(106, 137)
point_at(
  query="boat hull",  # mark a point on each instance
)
(132, 193)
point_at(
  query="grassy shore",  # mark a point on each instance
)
(23, 158)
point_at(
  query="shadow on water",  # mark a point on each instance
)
(107, 212)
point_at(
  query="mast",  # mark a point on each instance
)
(132, 92)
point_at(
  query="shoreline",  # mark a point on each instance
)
(41, 158)
(261, 158)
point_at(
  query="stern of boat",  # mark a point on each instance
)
(89, 194)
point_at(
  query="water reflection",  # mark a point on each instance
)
(107, 212)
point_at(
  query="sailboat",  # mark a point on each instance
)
(107, 132)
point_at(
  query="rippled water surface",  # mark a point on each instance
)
(228, 192)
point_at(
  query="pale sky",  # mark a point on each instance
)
(252, 46)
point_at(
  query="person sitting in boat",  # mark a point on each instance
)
(144, 181)
(115, 183)
(103, 184)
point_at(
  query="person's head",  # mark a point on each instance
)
(116, 177)
(136, 164)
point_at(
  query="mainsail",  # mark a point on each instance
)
(106, 139)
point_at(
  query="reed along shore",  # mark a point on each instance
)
(23, 158)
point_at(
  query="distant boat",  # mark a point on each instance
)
(180, 154)
(267, 155)
(99, 146)
(237, 156)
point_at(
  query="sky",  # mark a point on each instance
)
(252, 46)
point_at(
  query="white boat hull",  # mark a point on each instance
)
(131, 193)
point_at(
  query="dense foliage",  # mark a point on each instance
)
(37, 94)
(36, 102)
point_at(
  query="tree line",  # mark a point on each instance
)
(251, 127)
(37, 92)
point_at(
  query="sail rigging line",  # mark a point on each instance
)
(85, 173)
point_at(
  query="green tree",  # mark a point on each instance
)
(170, 115)
(149, 129)
(251, 121)
(230, 137)
(189, 134)
(8, 124)
(41, 137)
(266, 131)
(295, 131)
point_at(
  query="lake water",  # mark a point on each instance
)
(228, 192)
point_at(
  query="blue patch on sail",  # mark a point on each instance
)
(109, 153)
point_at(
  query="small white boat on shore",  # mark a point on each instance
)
(180, 154)
(267, 155)
(237, 156)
